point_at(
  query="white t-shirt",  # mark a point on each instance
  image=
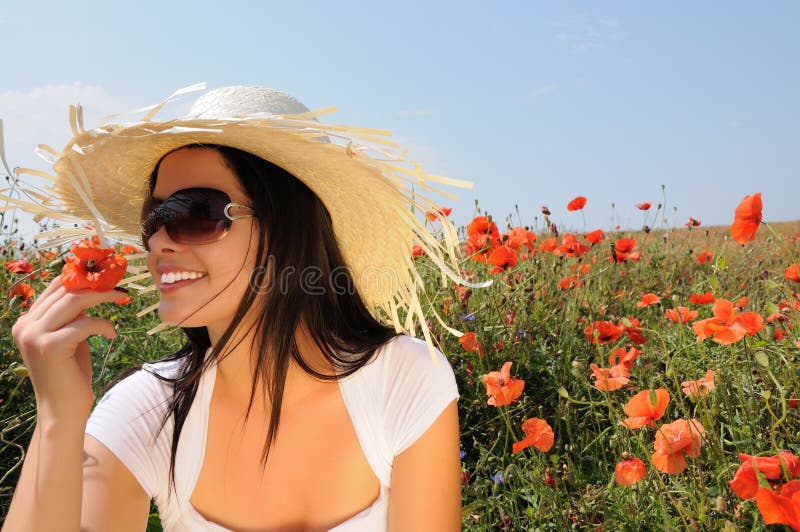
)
(391, 402)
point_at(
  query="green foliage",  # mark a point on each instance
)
(525, 318)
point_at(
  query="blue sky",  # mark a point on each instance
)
(535, 102)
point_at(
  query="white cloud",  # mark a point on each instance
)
(583, 33)
(41, 116)
(538, 92)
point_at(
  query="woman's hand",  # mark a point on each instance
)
(52, 339)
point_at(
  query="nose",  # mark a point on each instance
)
(160, 241)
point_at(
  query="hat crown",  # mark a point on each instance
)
(245, 100)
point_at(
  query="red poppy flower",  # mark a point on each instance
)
(92, 267)
(549, 244)
(645, 408)
(727, 327)
(477, 248)
(647, 299)
(793, 272)
(626, 358)
(571, 247)
(483, 226)
(693, 222)
(19, 266)
(782, 508)
(435, 214)
(538, 433)
(519, 236)
(570, 281)
(610, 379)
(704, 257)
(23, 291)
(503, 257)
(625, 245)
(675, 439)
(680, 314)
(702, 299)
(501, 387)
(747, 219)
(576, 203)
(417, 251)
(602, 332)
(782, 466)
(634, 331)
(471, 344)
(629, 471)
(644, 206)
(595, 236)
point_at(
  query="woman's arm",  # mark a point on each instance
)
(426, 480)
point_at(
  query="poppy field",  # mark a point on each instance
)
(609, 379)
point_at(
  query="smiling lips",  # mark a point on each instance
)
(173, 277)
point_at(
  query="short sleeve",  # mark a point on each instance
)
(415, 390)
(127, 421)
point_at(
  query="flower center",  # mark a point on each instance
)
(92, 266)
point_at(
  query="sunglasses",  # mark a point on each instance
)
(192, 216)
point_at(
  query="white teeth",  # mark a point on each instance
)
(171, 277)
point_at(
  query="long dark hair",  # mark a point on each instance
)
(295, 233)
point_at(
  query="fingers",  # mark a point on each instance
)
(54, 285)
(66, 306)
(73, 334)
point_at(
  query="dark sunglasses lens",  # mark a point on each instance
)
(191, 216)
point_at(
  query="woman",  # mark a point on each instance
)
(295, 404)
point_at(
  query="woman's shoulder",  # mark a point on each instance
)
(147, 388)
(404, 352)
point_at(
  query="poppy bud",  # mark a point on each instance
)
(545, 210)
(548, 478)
(646, 228)
(554, 229)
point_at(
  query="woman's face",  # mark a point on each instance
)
(224, 267)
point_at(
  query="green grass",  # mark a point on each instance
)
(747, 412)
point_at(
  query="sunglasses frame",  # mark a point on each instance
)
(146, 217)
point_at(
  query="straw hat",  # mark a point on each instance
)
(371, 191)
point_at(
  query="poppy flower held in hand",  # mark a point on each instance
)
(501, 387)
(746, 219)
(92, 267)
(538, 433)
(577, 203)
(629, 471)
(645, 408)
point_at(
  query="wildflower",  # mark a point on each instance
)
(680, 314)
(549, 244)
(780, 508)
(501, 387)
(19, 266)
(545, 210)
(435, 214)
(633, 330)
(626, 358)
(520, 236)
(645, 407)
(746, 219)
(577, 203)
(648, 299)
(497, 478)
(538, 433)
(502, 257)
(693, 222)
(92, 267)
(610, 379)
(727, 327)
(782, 466)
(701, 386)
(701, 299)
(595, 236)
(129, 250)
(675, 439)
(549, 481)
(793, 272)
(470, 344)
(602, 332)
(629, 471)
(23, 291)
(644, 206)
(484, 227)
(571, 247)
(622, 250)
(570, 281)
(704, 257)
(417, 251)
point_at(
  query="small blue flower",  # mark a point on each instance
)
(462, 454)
(497, 478)
(468, 317)
(522, 333)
